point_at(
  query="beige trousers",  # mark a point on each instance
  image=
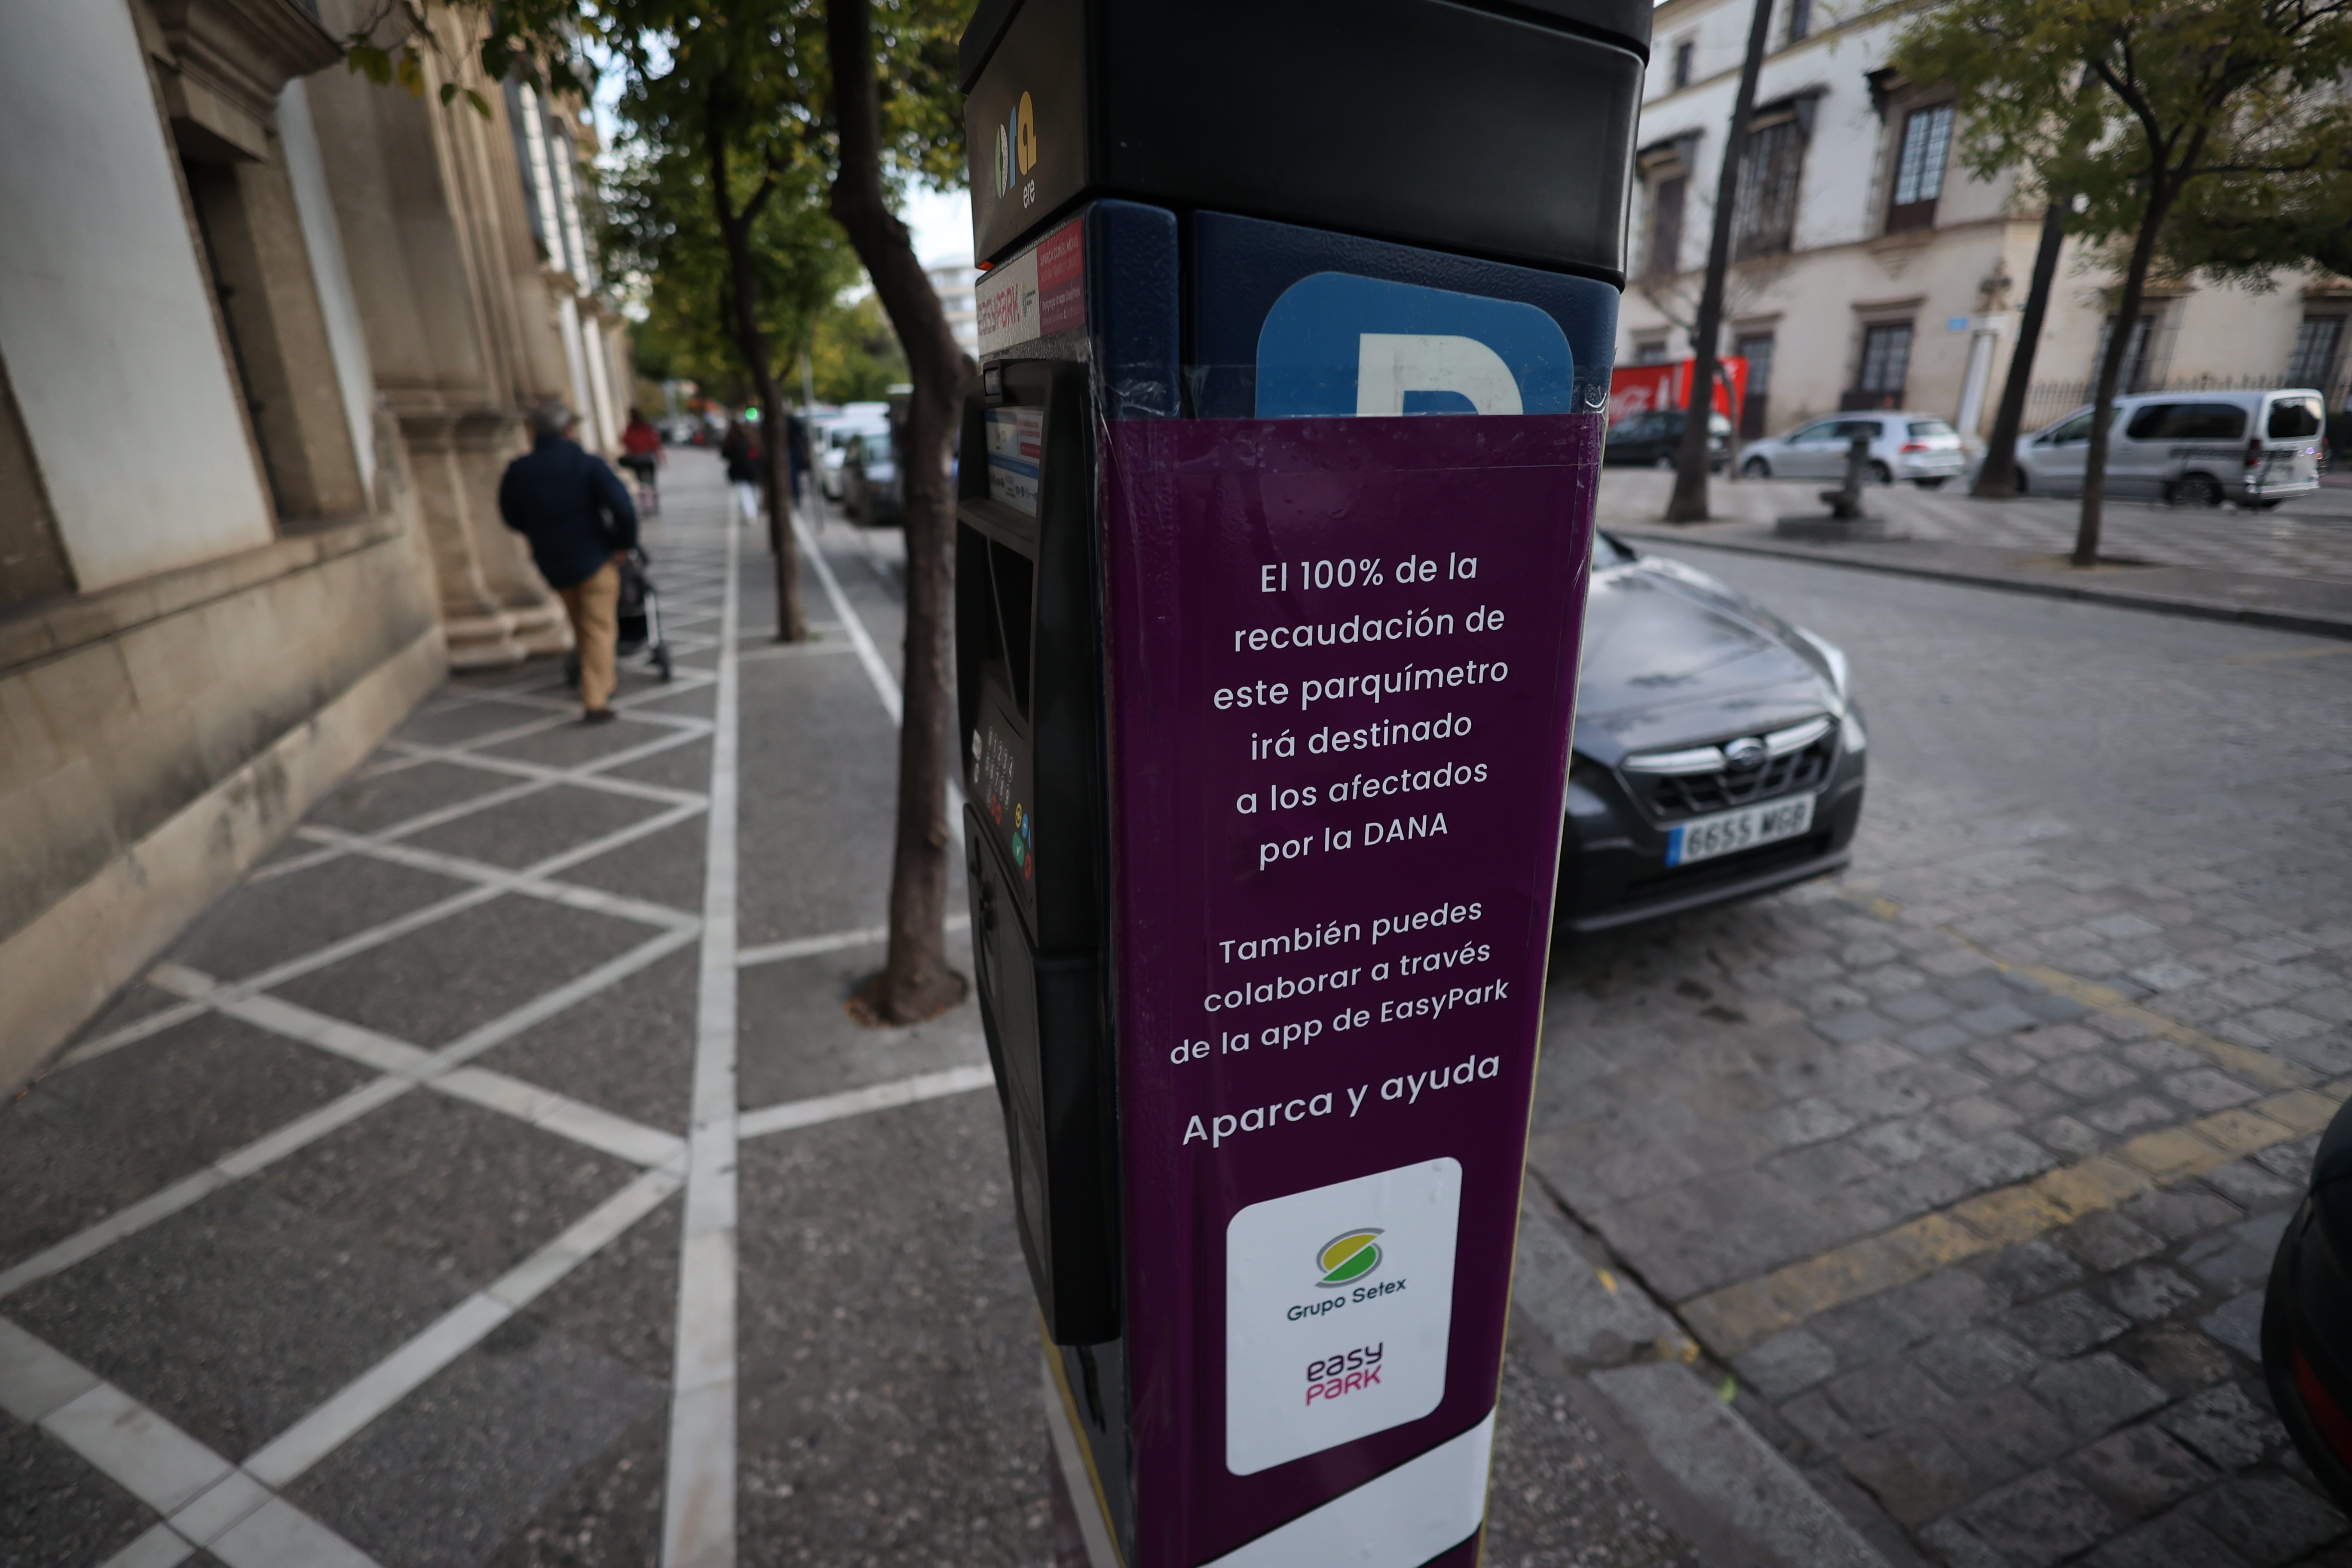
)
(593, 607)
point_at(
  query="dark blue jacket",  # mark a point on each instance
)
(572, 507)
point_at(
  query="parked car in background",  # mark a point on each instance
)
(2200, 449)
(2307, 1316)
(1718, 755)
(1654, 440)
(870, 493)
(838, 434)
(1921, 448)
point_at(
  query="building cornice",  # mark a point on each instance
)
(230, 60)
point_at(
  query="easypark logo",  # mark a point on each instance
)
(1339, 1374)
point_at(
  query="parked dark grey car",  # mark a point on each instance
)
(1717, 753)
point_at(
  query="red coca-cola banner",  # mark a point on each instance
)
(1640, 388)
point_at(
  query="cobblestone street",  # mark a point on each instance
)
(1969, 1166)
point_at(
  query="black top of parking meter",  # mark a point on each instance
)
(1494, 129)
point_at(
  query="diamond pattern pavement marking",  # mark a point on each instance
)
(234, 1510)
(148, 1456)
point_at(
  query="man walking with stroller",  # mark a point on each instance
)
(577, 515)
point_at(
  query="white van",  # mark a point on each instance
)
(2256, 449)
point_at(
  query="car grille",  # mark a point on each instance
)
(1671, 798)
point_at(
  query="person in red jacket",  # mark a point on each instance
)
(641, 455)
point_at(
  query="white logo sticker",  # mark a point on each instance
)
(1338, 1305)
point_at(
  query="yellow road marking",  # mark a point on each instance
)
(2321, 651)
(1738, 1317)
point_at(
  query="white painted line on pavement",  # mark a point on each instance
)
(570, 894)
(832, 942)
(698, 1504)
(885, 685)
(859, 1101)
(569, 994)
(159, 1547)
(438, 1070)
(264, 1151)
(201, 1494)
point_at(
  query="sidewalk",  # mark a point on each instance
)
(353, 1232)
(2289, 569)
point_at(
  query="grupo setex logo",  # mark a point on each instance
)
(1016, 145)
(1348, 1258)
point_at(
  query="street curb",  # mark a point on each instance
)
(1713, 1479)
(2242, 614)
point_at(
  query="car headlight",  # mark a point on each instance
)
(1831, 655)
(1855, 739)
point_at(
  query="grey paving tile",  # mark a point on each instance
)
(684, 767)
(2176, 1541)
(608, 1515)
(55, 1509)
(573, 744)
(936, 1422)
(467, 1461)
(799, 1041)
(2141, 1468)
(370, 801)
(1936, 1036)
(235, 1317)
(664, 868)
(461, 724)
(629, 1049)
(526, 830)
(2270, 1519)
(434, 984)
(86, 1141)
(466, 1191)
(1912, 1472)
(264, 924)
(2095, 1393)
(2229, 1426)
(2041, 1519)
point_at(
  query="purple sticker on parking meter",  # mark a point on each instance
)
(1342, 663)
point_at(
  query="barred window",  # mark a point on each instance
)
(2316, 343)
(1920, 168)
(1886, 360)
(1765, 216)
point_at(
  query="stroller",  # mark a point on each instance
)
(639, 618)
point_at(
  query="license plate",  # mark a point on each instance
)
(1728, 832)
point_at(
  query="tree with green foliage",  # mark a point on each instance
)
(661, 234)
(854, 355)
(834, 104)
(2212, 134)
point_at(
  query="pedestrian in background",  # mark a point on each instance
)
(741, 452)
(797, 447)
(577, 515)
(641, 455)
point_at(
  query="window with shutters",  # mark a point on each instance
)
(1920, 168)
(1685, 51)
(1885, 365)
(2316, 345)
(1800, 20)
(1663, 258)
(1764, 219)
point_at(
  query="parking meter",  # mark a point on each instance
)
(1274, 511)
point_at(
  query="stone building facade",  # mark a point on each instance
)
(267, 332)
(1872, 269)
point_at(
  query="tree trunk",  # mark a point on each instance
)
(916, 981)
(2111, 367)
(743, 327)
(1689, 502)
(1997, 475)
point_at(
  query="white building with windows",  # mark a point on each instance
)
(957, 283)
(1872, 271)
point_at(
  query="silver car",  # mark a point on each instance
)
(1921, 448)
(2198, 448)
